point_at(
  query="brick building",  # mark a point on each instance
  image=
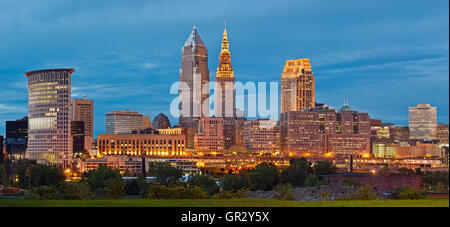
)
(320, 131)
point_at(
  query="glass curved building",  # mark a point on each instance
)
(49, 116)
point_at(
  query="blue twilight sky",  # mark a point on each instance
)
(382, 55)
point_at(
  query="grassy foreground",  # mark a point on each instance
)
(221, 203)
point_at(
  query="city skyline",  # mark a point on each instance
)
(154, 61)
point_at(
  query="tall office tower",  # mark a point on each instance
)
(146, 123)
(77, 131)
(260, 136)
(49, 116)
(123, 122)
(324, 132)
(83, 110)
(210, 140)
(161, 121)
(194, 73)
(422, 122)
(16, 138)
(297, 86)
(224, 94)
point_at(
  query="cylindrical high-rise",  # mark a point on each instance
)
(49, 116)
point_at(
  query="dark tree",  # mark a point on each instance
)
(324, 167)
(265, 176)
(165, 173)
(205, 182)
(99, 179)
(36, 175)
(235, 182)
(296, 173)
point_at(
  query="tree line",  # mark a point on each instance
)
(49, 182)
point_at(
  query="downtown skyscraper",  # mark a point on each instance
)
(224, 95)
(224, 92)
(83, 110)
(194, 76)
(49, 116)
(297, 86)
(422, 122)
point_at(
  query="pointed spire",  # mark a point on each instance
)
(225, 31)
(225, 69)
(225, 41)
(194, 39)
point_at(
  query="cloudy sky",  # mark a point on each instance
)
(383, 55)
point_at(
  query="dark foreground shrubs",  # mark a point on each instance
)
(44, 193)
(65, 191)
(409, 193)
(163, 192)
(205, 182)
(75, 191)
(313, 181)
(229, 195)
(365, 192)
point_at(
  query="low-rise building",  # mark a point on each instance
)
(141, 144)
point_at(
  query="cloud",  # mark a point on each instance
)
(148, 66)
(382, 55)
(7, 108)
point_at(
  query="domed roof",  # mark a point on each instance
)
(161, 121)
(345, 108)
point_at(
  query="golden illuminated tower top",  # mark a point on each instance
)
(225, 69)
(297, 86)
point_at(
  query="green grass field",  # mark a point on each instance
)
(221, 203)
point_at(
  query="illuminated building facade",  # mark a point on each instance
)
(422, 122)
(224, 102)
(16, 138)
(161, 121)
(49, 116)
(224, 93)
(83, 110)
(325, 131)
(297, 86)
(171, 131)
(399, 133)
(123, 122)
(445, 155)
(210, 140)
(146, 123)
(194, 73)
(260, 136)
(442, 133)
(384, 149)
(122, 163)
(380, 132)
(141, 144)
(420, 150)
